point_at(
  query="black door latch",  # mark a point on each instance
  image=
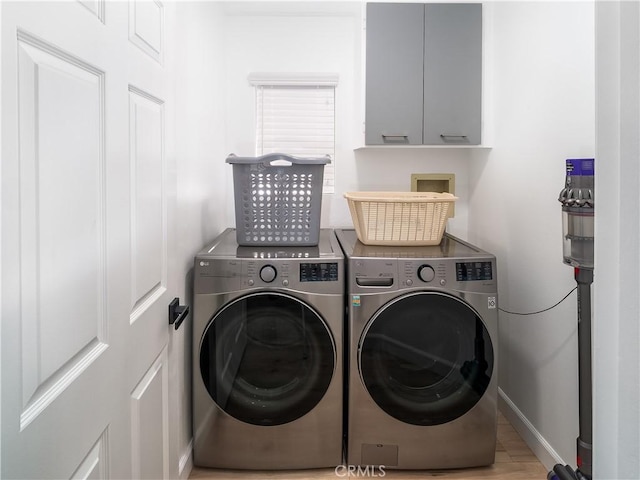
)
(177, 312)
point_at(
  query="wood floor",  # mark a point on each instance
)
(514, 461)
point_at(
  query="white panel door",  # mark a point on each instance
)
(86, 235)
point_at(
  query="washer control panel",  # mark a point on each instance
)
(220, 275)
(309, 272)
(319, 272)
(289, 272)
(225, 267)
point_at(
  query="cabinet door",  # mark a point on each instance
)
(452, 74)
(394, 88)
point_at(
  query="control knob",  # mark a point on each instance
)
(267, 273)
(426, 273)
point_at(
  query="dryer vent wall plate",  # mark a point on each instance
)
(435, 182)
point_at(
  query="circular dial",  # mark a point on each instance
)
(426, 273)
(267, 273)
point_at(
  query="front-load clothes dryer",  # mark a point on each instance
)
(421, 354)
(268, 355)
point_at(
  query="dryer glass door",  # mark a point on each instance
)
(267, 358)
(426, 358)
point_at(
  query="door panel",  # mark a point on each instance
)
(85, 240)
(62, 241)
(148, 218)
(96, 7)
(146, 27)
(149, 422)
(95, 465)
(148, 91)
(148, 335)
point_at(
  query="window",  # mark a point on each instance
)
(295, 114)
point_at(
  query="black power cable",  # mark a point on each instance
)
(540, 311)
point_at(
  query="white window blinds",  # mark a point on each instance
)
(297, 117)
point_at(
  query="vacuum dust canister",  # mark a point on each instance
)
(577, 198)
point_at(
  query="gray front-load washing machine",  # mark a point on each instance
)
(422, 354)
(267, 355)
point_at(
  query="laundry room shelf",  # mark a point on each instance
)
(423, 147)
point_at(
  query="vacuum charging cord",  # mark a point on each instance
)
(541, 311)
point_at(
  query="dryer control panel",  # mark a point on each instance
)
(476, 275)
(473, 271)
(419, 273)
(374, 274)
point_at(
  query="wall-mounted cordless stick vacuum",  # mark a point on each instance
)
(577, 198)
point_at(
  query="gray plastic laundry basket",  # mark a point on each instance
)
(277, 199)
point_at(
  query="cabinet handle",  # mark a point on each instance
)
(394, 136)
(446, 135)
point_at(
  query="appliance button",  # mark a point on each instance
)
(426, 273)
(267, 273)
(443, 282)
(250, 282)
(285, 283)
(409, 282)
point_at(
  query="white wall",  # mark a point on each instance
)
(542, 71)
(538, 111)
(201, 184)
(324, 37)
(616, 300)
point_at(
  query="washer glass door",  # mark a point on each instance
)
(426, 358)
(267, 358)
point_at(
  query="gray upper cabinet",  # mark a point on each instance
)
(394, 73)
(452, 73)
(423, 74)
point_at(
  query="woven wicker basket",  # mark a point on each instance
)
(399, 218)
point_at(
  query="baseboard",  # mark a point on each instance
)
(536, 442)
(532, 437)
(186, 463)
